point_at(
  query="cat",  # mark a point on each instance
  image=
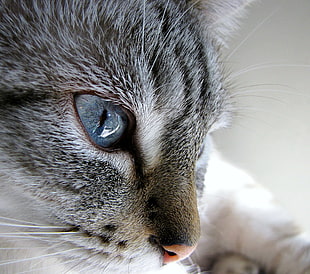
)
(107, 164)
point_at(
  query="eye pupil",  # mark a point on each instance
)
(106, 123)
(103, 117)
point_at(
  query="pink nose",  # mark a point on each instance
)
(174, 253)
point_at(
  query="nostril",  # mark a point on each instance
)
(170, 253)
(174, 253)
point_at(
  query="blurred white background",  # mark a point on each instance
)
(269, 60)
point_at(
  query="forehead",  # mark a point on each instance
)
(163, 60)
(149, 56)
(176, 90)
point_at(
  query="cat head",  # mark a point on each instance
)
(105, 111)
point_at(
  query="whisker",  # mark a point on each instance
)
(276, 92)
(265, 84)
(33, 226)
(255, 95)
(39, 257)
(19, 221)
(22, 248)
(51, 248)
(264, 66)
(40, 233)
(251, 114)
(251, 33)
(23, 222)
(29, 236)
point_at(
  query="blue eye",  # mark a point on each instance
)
(104, 121)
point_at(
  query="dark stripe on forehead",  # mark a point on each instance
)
(194, 69)
(185, 69)
(178, 41)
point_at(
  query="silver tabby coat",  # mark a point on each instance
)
(72, 200)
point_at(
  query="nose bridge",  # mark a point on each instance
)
(172, 207)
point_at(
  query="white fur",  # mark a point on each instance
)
(240, 216)
(150, 136)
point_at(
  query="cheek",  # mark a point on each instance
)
(90, 195)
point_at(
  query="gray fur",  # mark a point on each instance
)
(156, 59)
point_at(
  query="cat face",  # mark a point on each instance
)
(105, 109)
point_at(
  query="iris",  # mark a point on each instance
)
(104, 121)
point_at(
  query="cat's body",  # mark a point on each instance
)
(71, 200)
